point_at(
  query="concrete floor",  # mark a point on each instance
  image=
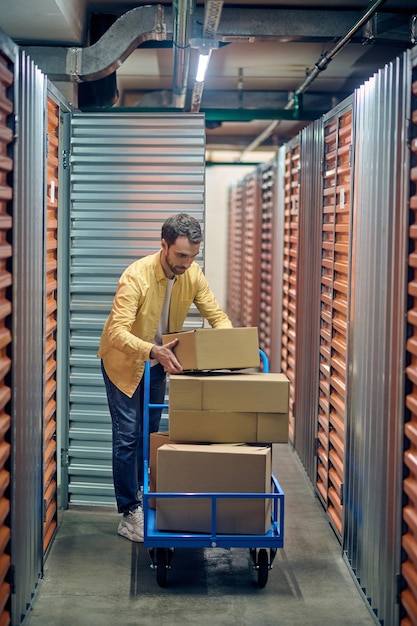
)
(93, 577)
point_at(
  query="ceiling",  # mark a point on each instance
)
(274, 67)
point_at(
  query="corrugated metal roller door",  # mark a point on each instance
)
(235, 253)
(50, 458)
(334, 312)
(249, 275)
(409, 541)
(129, 172)
(289, 278)
(6, 166)
(267, 178)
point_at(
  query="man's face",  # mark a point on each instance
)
(177, 258)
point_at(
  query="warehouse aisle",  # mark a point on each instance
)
(93, 577)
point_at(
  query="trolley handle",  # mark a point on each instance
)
(265, 361)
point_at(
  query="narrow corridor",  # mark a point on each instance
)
(93, 577)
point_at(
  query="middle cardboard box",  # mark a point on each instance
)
(227, 408)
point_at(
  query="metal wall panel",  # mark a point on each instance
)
(29, 330)
(375, 393)
(129, 172)
(7, 62)
(308, 296)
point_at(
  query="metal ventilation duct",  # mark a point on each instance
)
(141, 24)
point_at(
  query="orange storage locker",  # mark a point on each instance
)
(289, 278)
(6, 167)
(50, 454)
(409, 539)
(335, 255)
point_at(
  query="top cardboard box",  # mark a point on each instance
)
(216, 348)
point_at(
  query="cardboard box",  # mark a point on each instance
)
(228, 427)
(191, 469)
(235, 391)
(253, 408)
(156, 440)
(216, 348)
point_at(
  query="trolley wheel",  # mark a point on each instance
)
(263, 568)
(161, 567)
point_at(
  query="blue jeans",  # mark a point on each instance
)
(127, 429)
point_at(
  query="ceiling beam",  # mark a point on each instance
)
(237, 141)
(249, 115)
(303, 25)
(277, 99)
(231, 115)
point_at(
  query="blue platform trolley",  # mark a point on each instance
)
(162, 544)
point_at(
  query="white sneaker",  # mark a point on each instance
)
(131, 525)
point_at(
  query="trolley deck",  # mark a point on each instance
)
(161, 544)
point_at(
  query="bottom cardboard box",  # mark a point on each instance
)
(199, 468)
(156, 440)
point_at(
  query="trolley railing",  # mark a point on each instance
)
(273, 538)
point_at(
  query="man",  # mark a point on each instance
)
(153, 297)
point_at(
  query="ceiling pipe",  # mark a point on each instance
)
(319, 66)
(129, 31)
(182, 51)
(212, 14)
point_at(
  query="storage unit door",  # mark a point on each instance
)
(51, 268)
(235, 253)
(409, 539)
(249, 275)
(129, 172)
(334, 300)
(268, 254)
(289, 274)
(6, 167)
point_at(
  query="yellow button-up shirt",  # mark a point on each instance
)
(129, 331)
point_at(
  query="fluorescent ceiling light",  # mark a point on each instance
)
(203, 61)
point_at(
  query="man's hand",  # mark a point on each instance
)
(166, 357)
